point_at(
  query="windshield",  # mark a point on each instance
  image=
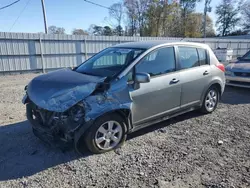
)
(246, 57)
(109, 62)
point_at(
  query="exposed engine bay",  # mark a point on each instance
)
(56, 127)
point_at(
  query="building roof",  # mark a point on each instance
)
(235, 37)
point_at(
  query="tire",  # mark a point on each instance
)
(210, 100)
(99, 138)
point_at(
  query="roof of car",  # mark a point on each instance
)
(152, 43)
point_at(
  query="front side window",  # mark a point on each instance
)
(158, 62)
(109, 62)
(188, 57)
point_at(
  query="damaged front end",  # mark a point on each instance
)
(54, 104)
(55, 128)
(61, 108)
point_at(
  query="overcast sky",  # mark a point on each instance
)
(62, 13)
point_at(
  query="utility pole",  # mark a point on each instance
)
(207, 8)
(44, 17)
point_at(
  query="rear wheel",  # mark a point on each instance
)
(106, 134)
(211, 100)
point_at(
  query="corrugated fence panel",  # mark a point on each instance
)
(22, 51)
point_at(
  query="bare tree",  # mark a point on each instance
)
(207, 8)
(132, 17)
(141, 7)
(227, 16)
(116, 12)
(56, 30)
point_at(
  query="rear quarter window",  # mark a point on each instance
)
(202, 56)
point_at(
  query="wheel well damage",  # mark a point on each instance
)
(116, 100)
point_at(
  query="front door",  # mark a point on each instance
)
(162, 94)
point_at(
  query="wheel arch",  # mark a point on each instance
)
(80, 133)
(215, 83)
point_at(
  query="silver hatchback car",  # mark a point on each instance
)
(123, 89)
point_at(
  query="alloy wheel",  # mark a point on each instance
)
(108, 135)
(211, 100)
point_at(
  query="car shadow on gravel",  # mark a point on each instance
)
(22, 154)
(236, 95)
(160, 126)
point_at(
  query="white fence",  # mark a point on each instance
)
(21, 52)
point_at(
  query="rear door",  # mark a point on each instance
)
(195, 74)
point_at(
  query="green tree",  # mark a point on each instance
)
(95, 30)
(118, 30)
(246, 15)
(187, 7)
(195, 26)
(79, 32)
(107, 31)
(227, 16)
(238, 32)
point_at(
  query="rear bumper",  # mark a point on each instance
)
(238, 81)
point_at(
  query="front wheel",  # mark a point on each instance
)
(106, 134)
(211, 100)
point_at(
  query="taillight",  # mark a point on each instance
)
(221, 67)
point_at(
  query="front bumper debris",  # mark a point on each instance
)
(51, 136)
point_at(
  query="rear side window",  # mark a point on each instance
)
(158, 62)
(202, 56)
(188, 57)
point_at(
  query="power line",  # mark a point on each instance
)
(99, 5)
(19, 14)
(9, 5)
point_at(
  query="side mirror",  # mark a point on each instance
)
(239, 58)
(142, 77)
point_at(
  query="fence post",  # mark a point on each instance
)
(248, 46)
(85, 49)
(217, 44)
(238, 45)
(41, 53)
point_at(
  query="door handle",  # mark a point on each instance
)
(205, 73)
(174, 81)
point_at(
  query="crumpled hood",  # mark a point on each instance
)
(238, 66)
(59, 90)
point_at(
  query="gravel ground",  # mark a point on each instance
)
(192, 150)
